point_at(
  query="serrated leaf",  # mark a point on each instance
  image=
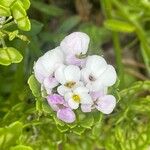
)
(57, 121)
(119, 26)
(34, 86)
(26, 4)
(21, 147)
(9, 55)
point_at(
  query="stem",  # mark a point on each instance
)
(106, 6)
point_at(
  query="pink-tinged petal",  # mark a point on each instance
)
(97, 94)
(71, 59)
(49, 83)
(86, 107)
(66, 115)
(75, 43)
(106, 104)
(55, 99)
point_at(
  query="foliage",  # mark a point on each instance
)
(116, 27)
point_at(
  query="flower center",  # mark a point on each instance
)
(91, 78)
(70, 84)
(76, 98)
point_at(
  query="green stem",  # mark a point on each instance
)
(106, 6)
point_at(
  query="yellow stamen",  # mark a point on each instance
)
(76, 98)
(70, 84)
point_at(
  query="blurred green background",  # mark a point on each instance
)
(120, 31)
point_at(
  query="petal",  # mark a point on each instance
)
(95, 86)
(81, 89)
(85, 98)
(66, 115)
(96, 94)
(63, 89)
(39, 71)
(96, 65)
(68, 96)
(59, 74)
(72, 73)
(71, 59)
(75, 43)
(106, 104)
(108, 78)
(85, 73)
(73, 104)
(55, 99)
(86, 107)
(46, 64)
(50, 82)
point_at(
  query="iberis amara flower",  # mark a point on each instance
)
(72, 80)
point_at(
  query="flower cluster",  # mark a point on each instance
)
(73, 80)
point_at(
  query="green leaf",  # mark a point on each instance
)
(62, 128)
(9, 55)
(50, 10)
(78, 130)
(36, 27)
(34, 86)
(21, 147)
(13, 34)
(87, 122)
(69, 24)
(26, 4)
(47, 108)
(6, 3)
(18, 11)
(9, 135)
(119, 26)
(4, 11)
(24, 24)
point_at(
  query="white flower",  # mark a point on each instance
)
(75, 43)
(78, 96)
(97, 74)
(69, 77)
(47, 64)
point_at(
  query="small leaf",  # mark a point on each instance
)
(87, 122)
(21, 147)
(6, 3)
(26, 4)
(4, 11)
(119, 26)
(18, 11)
(47, 108)
(62, 128)
(78, 130)
(24, 24)
(12, 35)
(9, 55)
(34, 86)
